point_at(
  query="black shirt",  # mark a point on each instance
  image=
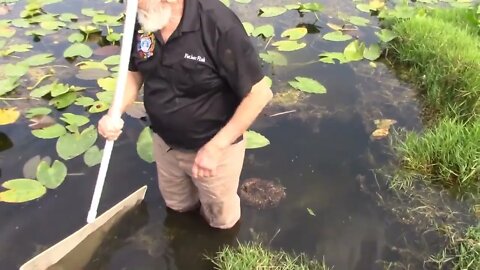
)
(194, 82)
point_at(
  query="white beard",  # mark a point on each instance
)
(155, 18)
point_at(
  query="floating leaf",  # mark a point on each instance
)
(93, 156)
(21, 23)
(329, 57)
(376, 5)
(112, 60)
(113, 37)
(78, 49)
(386, 35)
(255, 140)
(52, 25)
(64, 100)
(98, 106)
(39, 32)
(89, 29)
(243, 1)
(17, 70)
(74, 119)
(311, 7)
(68, 17)
(72, 145)
(51, 177)
(22, 190)
(274, 58)
(30, 167)
(145, 145)
(310, 212)
(76, 37)
(360, 21)
(372, 53)
(8, 85)
(308, 85)
(50, 132)
(84, 101)
(90, 12)
(6, 31)
(226, 2)
(39, 59)
(363, 7)
(295, 33)
(292, 6)
(20, 47)
(37, 111)
(248, 28)
(354, 51)
(107, 84)
(59, 89)
(8, 115)
(42, 91)
(266, 30)
(272, 11)
(289, 45)
(337, 36)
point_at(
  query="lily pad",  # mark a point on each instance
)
(113, 37)
(78, 49)
(337, 36)
(386, 35)
(255, 140)
(145, 145)
(8, 115)
(22, 190)
(311, 7)
(71, 145)
(226, 2)
(84, 101)
(21, 23)
(74, 119)
(51, 177)
(38, 111)
(52, 25)
(295, 33)
(93, 156)
(42, 91)
(68, 17)
(248, 28)
(308, 85)
(266, 30)
(98, 106)
(107, 84)
(289, 45)
(30, 167)
(373, 52)
(76, 37)
(16, 70)
(7, 32)
(354, 51)
(64, 100)
(8, 85)
(274, 58)
(113, 60)
(50, 132)
(359, 21)
(39, 60)
(59, 89)
(272, 11)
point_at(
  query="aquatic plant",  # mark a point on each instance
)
(256, 256)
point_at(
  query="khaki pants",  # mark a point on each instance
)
(220, 204)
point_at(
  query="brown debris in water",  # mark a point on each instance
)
(261, 193)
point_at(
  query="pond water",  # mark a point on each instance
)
(322, 153)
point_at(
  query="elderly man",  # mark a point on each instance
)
(203, 88)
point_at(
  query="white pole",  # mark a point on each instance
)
(127, 40)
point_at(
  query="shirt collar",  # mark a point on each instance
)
(190, 18)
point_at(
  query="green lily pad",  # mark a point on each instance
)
(243, 1)
(266, 30)
(8, 85)
(71, 145)
(308, 85)
(255, 140)
(42, 91)
(272, 11)
(289, 45)
(7, 32)
(74, 119)
(78, 49)
(226, 2)
(364, 7)
(248, 28)
(17, 70)
(311, 7)
(145, 145)
(52, 25)
(68, 17)
(329, 57)
(89, 29)
(113, 60)
(20, 47)
(93, 156)
(39, 59)
(274, 58)
(337, 36)
(359, 21)
(98, 106)
(51, 132)
(31, 113)
(107, 84)
(39, 32)
(84, 101)
(114, 37)
(373, 52)
(386, 35)
(76, 37)
(22, 190)
(59, 89)
(295, 33)
(64, 100)
(354, 51)
(90, 12)
(51, 177)
(21, 23)
(105, 96)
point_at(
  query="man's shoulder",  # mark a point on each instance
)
(215, 12)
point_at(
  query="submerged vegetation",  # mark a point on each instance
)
(255, 256)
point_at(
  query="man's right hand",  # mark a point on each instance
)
(110, 127)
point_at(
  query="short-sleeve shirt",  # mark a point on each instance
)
(194, 82)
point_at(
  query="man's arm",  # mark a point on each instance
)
(209, 155)
(111, 127)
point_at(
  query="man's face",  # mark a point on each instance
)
(154, 15)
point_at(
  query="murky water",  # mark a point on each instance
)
(322, 153)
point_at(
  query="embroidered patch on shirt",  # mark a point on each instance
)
(145, 45)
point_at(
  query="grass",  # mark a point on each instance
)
(253, 256)
(448, 154)
(444, 60)
(463, 18)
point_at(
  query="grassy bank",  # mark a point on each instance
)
(256, 257)
(440, 52)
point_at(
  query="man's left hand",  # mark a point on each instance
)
(206, 161)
